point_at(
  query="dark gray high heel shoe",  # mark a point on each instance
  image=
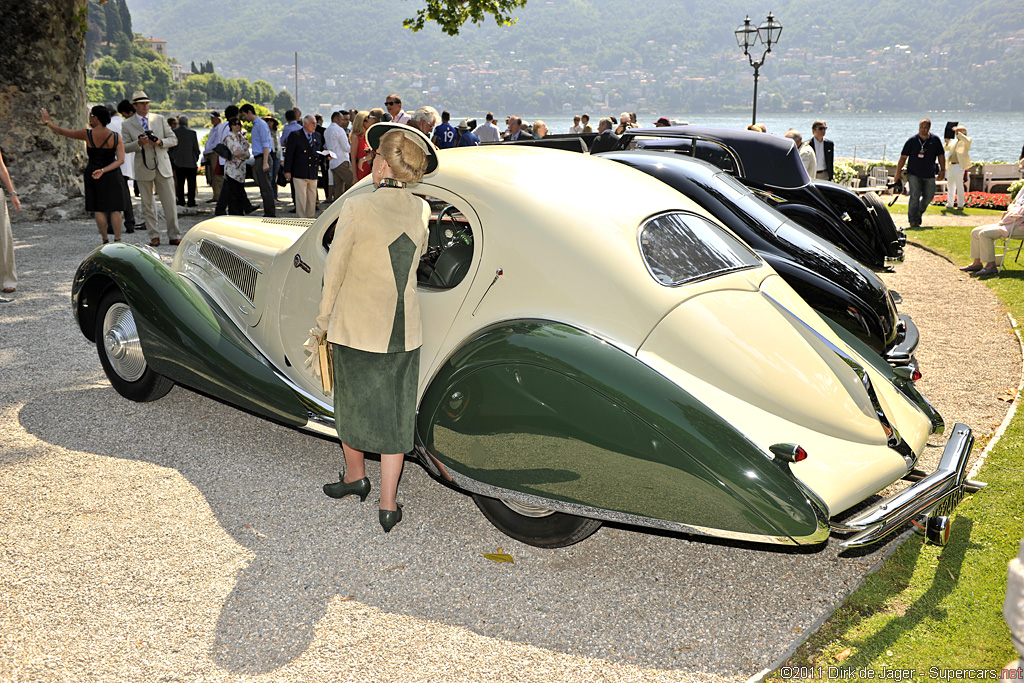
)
(389, 518)
(340, 489)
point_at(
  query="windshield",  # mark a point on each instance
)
(683, 247)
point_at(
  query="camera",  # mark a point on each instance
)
(152, 138)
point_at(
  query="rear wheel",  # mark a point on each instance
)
(120, 351)
(535, 525)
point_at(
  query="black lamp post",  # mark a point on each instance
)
(747, 37)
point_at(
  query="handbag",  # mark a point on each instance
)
(326, 364)
(222, 150)
(281, 181)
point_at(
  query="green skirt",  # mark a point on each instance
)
(375, 398)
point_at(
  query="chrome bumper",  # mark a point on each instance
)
(902, 354)
(931, 494)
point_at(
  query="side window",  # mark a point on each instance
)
(450, 246)
(716, 154)
(329, 235)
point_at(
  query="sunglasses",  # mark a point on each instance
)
(388, 104)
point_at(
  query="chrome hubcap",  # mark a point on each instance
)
(121, 343)
(527, 510)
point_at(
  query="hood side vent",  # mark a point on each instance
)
(238, 271)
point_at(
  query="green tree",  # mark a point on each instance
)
(108, 68)
(262, 91)
(283, 100)
(450, 15)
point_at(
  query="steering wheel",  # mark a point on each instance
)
(445, 237)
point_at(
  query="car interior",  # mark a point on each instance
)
(449, 246)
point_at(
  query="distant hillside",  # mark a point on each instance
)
(672, 55)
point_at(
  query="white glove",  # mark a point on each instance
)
(312, 347)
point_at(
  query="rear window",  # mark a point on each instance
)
(682, 247)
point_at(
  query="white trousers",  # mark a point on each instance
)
(164, 188)
(955, 185)
(305, 197)
(983, 241)
(8, 273)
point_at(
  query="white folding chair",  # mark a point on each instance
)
(1016, 233)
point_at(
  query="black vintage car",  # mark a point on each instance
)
(858, 224)
(834, 284)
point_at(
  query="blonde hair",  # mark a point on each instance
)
(407, 160)
(357, 127)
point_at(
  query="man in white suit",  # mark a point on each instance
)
(149, 136)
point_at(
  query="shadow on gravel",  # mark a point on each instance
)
(651, 599)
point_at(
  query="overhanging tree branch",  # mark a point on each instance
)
(451, 15)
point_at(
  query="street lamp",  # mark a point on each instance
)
(747, 37)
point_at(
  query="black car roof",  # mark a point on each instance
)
(764, 159)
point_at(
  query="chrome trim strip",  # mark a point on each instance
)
(820, 535)
(938, 493)
(895, 441)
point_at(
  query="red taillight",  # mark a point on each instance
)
(916, 376)
(788, 452)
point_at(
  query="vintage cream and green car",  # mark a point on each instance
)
(596, 347)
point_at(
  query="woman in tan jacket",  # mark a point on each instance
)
(371, 313)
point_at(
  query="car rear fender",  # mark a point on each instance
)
(831, 229)
(837, 303)
(904, 384)
(877, 230)
(549, 411)
(184, 334)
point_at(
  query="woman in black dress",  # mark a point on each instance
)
(103, 181)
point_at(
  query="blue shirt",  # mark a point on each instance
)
(446, 136)
(261, 137)
(468, 139)
(288, 129)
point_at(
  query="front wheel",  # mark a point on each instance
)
(120, 350)
(535, 526)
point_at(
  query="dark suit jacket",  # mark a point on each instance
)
(185, 154)
(605, 142)
(301, 158)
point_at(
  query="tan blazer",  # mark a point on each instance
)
(145, 168)
(377, 247)
(960, 146)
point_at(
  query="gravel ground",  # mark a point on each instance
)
(184, 540)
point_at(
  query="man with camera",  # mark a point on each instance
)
(149, 136)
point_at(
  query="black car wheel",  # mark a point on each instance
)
(120, 350)
(535, 526)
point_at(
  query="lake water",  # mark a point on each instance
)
(995, 136)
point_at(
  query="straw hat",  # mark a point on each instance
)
(378, 130)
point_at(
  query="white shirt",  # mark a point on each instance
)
(128, 167)
(336, 140)
(402, 117)
(488, 132)
(819, 153)
(216, 137)
(578, 128)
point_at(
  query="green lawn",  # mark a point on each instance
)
(939, 607)
(900, 207)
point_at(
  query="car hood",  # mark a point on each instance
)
(231, 258)
(764, 360)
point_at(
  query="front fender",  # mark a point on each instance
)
(547, 410)
(184, 334)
